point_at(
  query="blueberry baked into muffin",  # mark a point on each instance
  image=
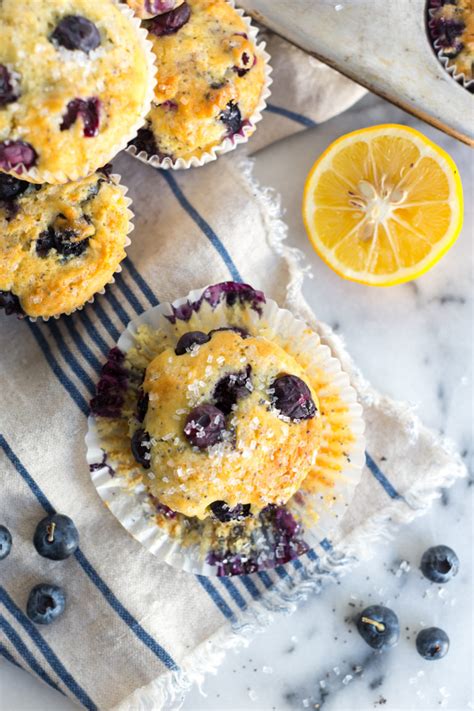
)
(59, 244)
(76, 79)
(210, 80)
(452, 25)
(151, 8)
(224, 433)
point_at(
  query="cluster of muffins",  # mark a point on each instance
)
(89, 84)
(214, 414)
(451, 26)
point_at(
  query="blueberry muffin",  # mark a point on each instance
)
(227, 422)
(76, 80)
(151, 8)
(453, 26)
(210, 80)
(59, 244)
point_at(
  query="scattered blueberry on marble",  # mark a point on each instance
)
(190, 339)
(205, 426)
(170, 22)
(224, 513)
(379, 627)
(141, 446)
(5, 542)
(45, 603)
(292, 397)
(56, 537)
(439, 564)
(76, 32)
(432, 643)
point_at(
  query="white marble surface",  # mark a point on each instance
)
(415, 343)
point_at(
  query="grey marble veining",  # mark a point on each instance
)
(413, 342)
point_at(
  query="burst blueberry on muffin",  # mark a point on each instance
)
(59, 244)
(76, 80)
(210, 80)
(228, 424)
(151, 8)
(453, 27)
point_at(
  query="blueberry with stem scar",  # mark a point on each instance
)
(378, 626)
(56, 537)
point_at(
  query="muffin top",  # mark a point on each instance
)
(454, 26)
(231, 423)
(59, 244)
(210, 78)
(75, 84)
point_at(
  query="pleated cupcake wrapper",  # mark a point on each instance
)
(231, 142)
(460, 77)
(116, 177)
(340, 457)
(33, 175)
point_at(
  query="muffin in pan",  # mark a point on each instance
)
(212, 78)
(76, 81)
(59, 244)
(451, 24)
(224, 436)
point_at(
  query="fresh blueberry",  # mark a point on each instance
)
(11, 187)
(142, 405)
(190, 339)
(45, 603)
(224, 513)
(56, 537)
(170, 22)
(432, 643)
(11, 303)
(378, 626)
(141, 446)
(233, 387)
(5, 542)
(76, 32)
(16, 154)
(8, 90)
(205, 426)
(236, 329)
(292, 397)
(88, 110)
(232, 118)
(439, 564)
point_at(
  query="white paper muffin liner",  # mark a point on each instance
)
(34, 175)
(116, 178)
(459, 77)
(231, 142)
(340, 459)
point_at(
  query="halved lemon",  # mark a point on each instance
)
(382, 205)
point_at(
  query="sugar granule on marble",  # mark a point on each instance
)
(444, 692)
(336, 671)
(322, 683)
(347, 679)
(253, 696)
(306, 703)
(267, 670)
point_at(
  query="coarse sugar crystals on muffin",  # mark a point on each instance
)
(211, 77)
(59, 244)
(230, 422)
(76, 82)
(452, 26)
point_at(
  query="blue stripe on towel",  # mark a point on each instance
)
(326, 545)
(25, 653)
(61, 376)
(140, 281)
(117, 307)
(381, 478)
(92, 331)
(105, 320)
(69, 358)
(81, 345)
(250, 586)
(292, 115)
(202, 224)
(6, 655)
(128, 293)
(266, 579)
(216, 597)
(233, 592)
(88, 568)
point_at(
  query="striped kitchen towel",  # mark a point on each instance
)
(137, 633)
